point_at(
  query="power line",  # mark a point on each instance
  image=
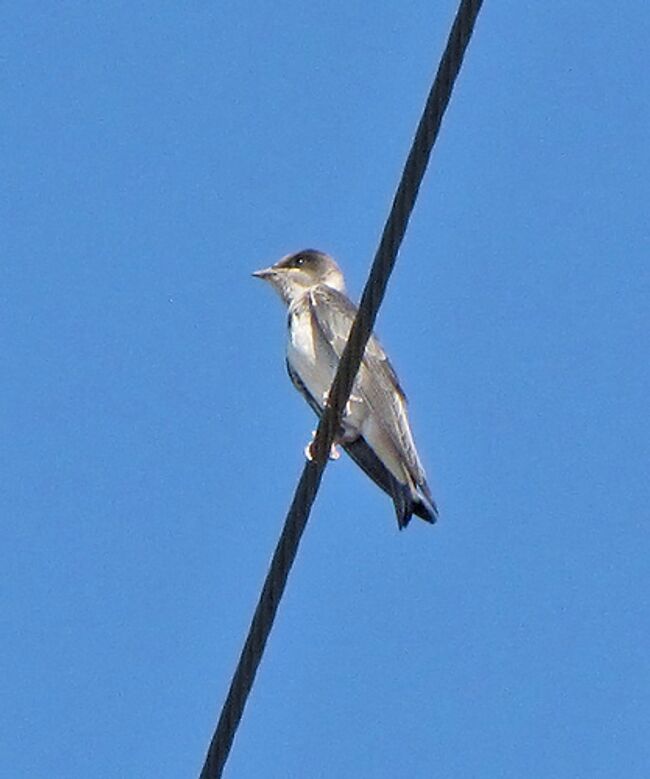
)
(373, 294)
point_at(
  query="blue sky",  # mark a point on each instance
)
(152, 156)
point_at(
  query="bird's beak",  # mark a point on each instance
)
(263, 274)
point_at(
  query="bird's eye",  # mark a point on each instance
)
(299, 262)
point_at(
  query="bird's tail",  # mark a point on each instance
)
(408, 499)
(424, 506)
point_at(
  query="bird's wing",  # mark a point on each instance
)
(376, 382)
(366, 458)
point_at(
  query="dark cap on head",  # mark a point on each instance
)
(306, 258)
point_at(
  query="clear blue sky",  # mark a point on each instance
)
(152, 156)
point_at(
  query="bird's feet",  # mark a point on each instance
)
(334, 451)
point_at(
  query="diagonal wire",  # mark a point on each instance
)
(373, 294)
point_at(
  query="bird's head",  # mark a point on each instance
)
(297, 273)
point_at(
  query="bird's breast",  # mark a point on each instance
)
(308, 354)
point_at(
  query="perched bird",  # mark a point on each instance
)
(375, 430)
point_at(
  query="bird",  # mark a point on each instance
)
(375, 430)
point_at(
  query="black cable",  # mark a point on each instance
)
(371, 299)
